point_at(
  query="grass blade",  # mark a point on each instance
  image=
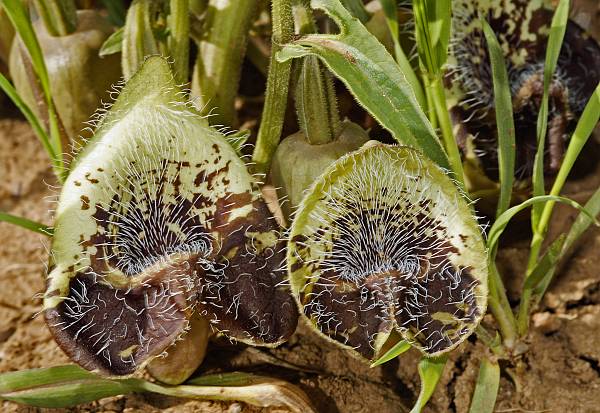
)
(11, 92)
(503, 220)
(430, 371)
(17, 13)
(504, 119)
(585, 126)
(372, 76)
(486, 388)
(581, 224)
(112, 45)
(68, 386)
(390, 10)
(555, 39)
(398, 349)
(26, 223)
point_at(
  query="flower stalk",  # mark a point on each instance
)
(278, 80)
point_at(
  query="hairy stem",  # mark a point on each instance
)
(278, 80)
(220, 56)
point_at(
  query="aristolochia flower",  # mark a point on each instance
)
(383, 241)
(522, 28)
(159, 219)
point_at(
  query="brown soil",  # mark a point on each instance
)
(560, 372)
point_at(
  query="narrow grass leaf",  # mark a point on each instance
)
(18, 15)
(26, 223)
(430, 371)
(503, 220)
(390, 10)
(116, 11)
(68, 386)
(112, 45)
(555, 40)
(486, 387)
(545, 265)
(504, 118)
(433, 20)
(29, 115)
(581, 224)
(372, 76)
(398, 349)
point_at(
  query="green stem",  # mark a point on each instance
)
(59, 16)
(443, 116)
(138, 38)
(179, 39)
(430, 104)
(221, 52)
(500, 307)
(273, 114)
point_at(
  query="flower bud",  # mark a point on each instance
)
(297, 163)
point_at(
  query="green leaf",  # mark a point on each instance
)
(112, 45)
(504, 119)
(433, 20)
(390, 10)
(116, 11)
(40, 132)
(357, 8)
(585, 126)
(138, 37)
(399, 348)
(372, 76)
(503, 220)
(430, 371)
(580, 225)
(26, 223)
(555, 40)
(68, 386)
(486, 387)
(19, 17)
(545, 266)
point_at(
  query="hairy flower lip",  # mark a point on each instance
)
(431, 290)
(470, 84)
(159, 218)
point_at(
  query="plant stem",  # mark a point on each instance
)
(271, 124)
(316, 103)
(439, 101)
(500, 307)
(138, 38)
(59, 16)
(220, 56)
(179, 38)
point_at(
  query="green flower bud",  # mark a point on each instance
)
(79, 78)
(297, 163)
(382, 242)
